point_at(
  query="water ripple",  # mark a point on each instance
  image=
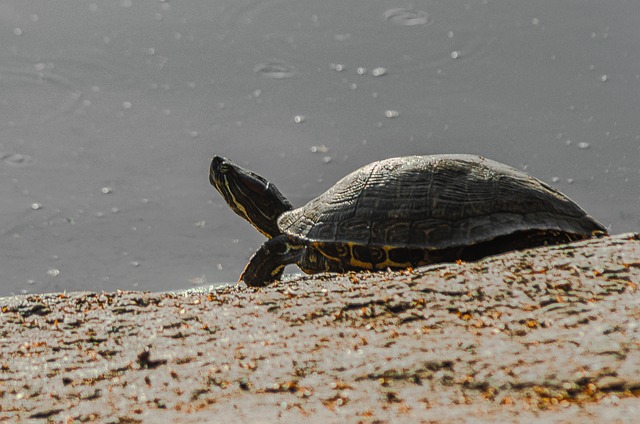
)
(35, 94)
(407, 17)
(275, 70)
(17, 160)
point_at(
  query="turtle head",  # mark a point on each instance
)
(249, 195)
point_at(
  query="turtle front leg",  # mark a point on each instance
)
(267, 264)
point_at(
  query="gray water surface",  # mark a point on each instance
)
(111, 110)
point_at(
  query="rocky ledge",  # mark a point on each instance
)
(549, 334)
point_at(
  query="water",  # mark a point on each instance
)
(110, 112)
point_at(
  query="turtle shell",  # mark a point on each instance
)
(434, 202)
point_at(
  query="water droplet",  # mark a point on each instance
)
(275, 70)
(407, 17)
(53, 272)
(378, 72)
(36, 206)
(583, 145)
(391, 113)
(298, 119)
(106, 190)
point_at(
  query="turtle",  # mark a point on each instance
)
(400, 213)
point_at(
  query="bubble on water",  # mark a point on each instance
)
(455, 54)
(583, 145)
(17, 31)
(327, 159)
(151, 51)
(200, 224)
(219, 267)
(374, 95)
(17, 160)
(106, 190)
(298, 119)
(379, 71)
(53, 272)
(353, 86)
(275, 70)
(342, 37)
(391, 113)
(36, 206)
(127, 105)
(361, 71)
(198, 281)
(115, 210)
(535, 21)
(319, 149)
(337, 67)
(194, 134)
(555, 179)
(604, 78)
(570, 180)
(450, 34)
(126, 4)
(134, 264)
(407, 17)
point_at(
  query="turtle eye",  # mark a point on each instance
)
(224, 168)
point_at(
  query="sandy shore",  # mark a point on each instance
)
(550, 334)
